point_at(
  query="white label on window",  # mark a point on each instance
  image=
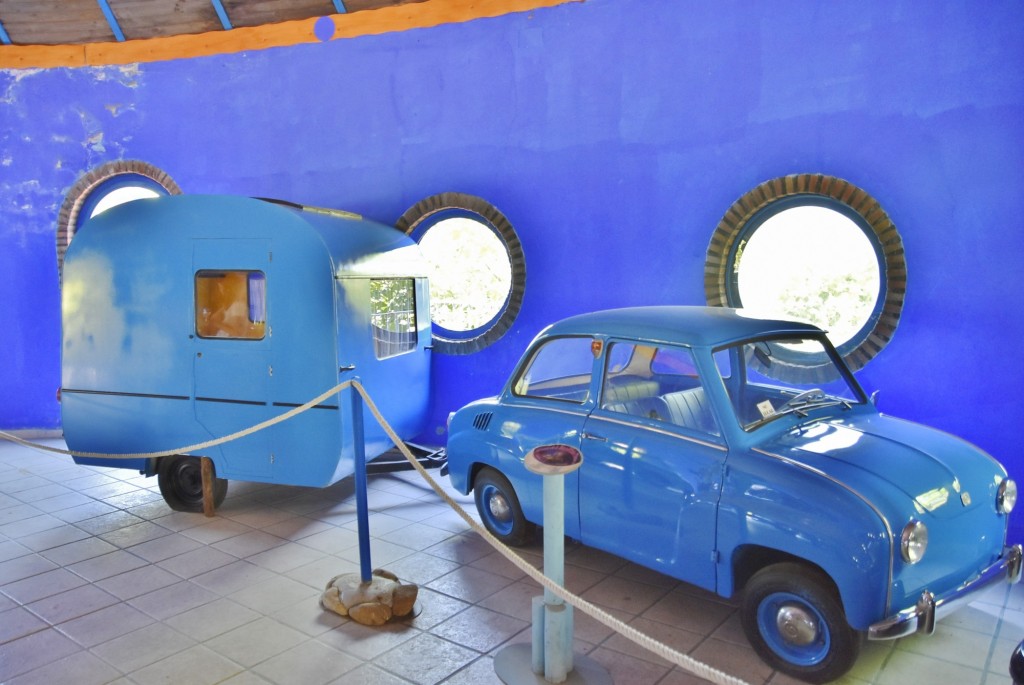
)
(766, 409)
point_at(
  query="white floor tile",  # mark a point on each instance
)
(142, 647)
(196, 666)
(100, 582)
(255, 642)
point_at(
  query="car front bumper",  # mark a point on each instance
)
(921, 617)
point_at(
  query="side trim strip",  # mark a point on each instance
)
(72, 391)
(660, 431)
(224, 400)
(292, 405)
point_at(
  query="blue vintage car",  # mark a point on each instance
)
(741, 455)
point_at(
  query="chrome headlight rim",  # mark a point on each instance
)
(914, 541)
(1006, 496)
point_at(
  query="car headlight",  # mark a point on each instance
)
(913, 541)
(1006, 497)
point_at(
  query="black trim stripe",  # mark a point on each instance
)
(65, 391)
(224, 400)
(292, 405)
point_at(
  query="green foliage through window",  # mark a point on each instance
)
(393, 315)
(470, 273)
(813, 264)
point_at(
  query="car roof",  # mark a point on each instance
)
(688, 325)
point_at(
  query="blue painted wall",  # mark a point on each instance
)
(614, 134)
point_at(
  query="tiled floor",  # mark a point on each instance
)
(101, 582)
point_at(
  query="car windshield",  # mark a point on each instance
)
(787, 376)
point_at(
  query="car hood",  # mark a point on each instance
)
(940, 473)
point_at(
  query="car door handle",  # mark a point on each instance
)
(591, 436)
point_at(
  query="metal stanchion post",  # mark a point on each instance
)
(362, 508)
(549, 657)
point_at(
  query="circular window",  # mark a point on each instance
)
(812, 248)
(471, 274)
(478, 273)
(104, 187)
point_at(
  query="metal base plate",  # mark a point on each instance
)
(514, 666)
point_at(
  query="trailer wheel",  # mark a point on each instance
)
(181, 483)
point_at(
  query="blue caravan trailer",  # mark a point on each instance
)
(188, 318)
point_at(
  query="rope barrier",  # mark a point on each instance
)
(188, 449)
(685, 662)
(629, 632)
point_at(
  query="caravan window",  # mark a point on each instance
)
(393, 315)
(231, 304)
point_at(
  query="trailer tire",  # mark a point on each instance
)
(181, 483)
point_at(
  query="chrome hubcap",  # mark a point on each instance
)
(499, 507)
(796, 625)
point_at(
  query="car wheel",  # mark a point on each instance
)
(181, 483)
(499, 508)
(795, 621)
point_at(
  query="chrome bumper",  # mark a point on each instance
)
(921, 617)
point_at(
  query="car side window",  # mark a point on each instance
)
(674, 361)
(619, 357)
(560, 369)
(658, 383)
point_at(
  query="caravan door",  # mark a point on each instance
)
(231, 339)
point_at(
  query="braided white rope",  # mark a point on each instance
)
(629, 632)
(188, 449)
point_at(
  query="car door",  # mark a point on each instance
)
(653, 460)
(547, 403)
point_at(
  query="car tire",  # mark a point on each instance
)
(499, 508)
(794, 619)
(181, 483)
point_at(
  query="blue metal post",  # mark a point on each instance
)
(111, 20)
(554, 534)
(339, 6)
(549, 654)
(558, 623)
(362, 508)
(222, 14)
(4, 38)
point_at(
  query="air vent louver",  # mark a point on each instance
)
(482, 421)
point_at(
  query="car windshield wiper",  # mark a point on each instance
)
(815, 403)
(800, 409)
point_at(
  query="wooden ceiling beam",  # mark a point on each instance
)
(400, 17)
